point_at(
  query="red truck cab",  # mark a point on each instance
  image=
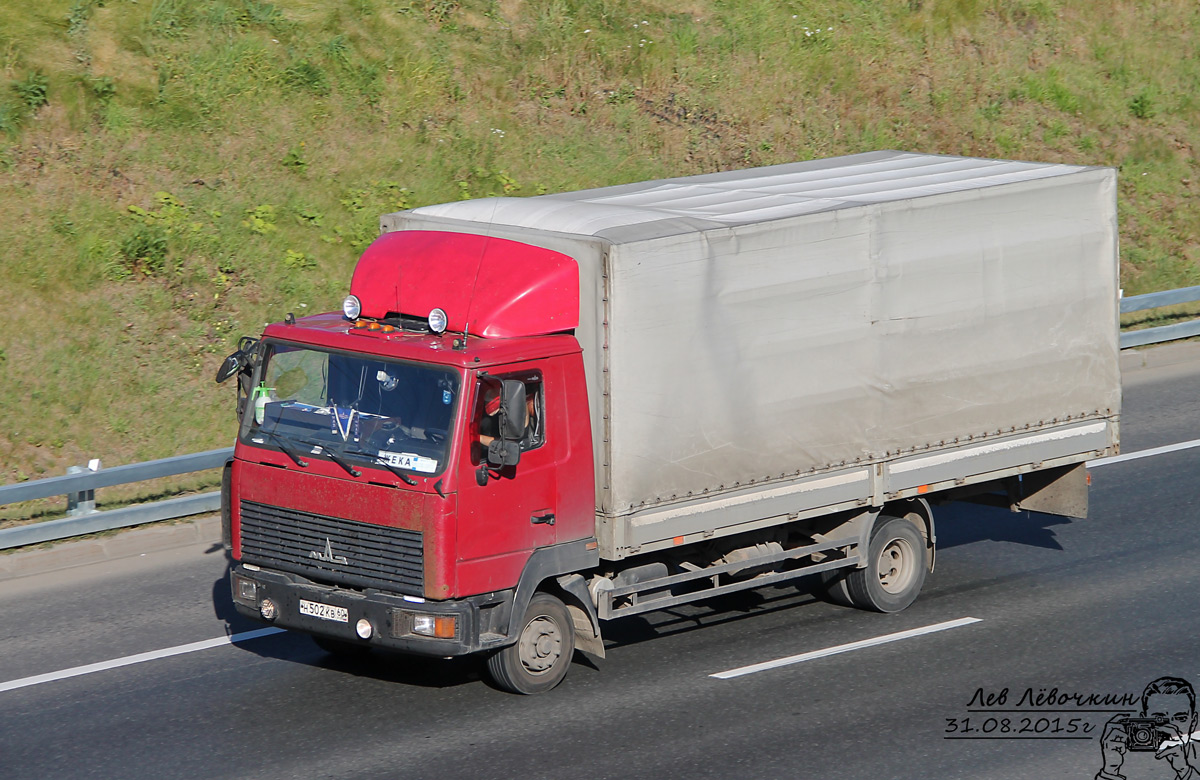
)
(415, 472)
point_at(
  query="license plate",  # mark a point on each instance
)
(407, 460)
(324, 611)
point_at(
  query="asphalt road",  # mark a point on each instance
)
(1097, 606)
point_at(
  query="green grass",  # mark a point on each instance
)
(175, 173)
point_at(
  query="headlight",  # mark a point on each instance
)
(351, 307)
(438, 626)
(245, 591)
(437, 321)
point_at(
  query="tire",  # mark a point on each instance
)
(340, 648)
(834, 589)
(542, 654)
(897, 561)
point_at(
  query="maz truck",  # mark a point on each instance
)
(536, 415)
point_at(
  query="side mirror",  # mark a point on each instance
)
(242, 360)
(231, 366)
(512, 413)
(503, 453)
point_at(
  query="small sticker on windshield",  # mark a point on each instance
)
(407, 460)
(447, 397)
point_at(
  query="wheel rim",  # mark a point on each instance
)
(541, 645)
(897, 566)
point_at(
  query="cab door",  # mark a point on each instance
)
(515, 511)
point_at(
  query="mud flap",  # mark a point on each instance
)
(1059, 491)
(583, 615)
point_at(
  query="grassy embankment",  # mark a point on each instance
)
(174, 173)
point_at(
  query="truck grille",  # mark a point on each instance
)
(329, 549)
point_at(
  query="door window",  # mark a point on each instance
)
(487, 417)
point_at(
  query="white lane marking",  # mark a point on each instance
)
(879, 640)
(1183, 445)
(128, 660)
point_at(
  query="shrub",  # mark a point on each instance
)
(293, 259)
(306, 75)
(1142, 105)
(260, 219)
(32, 90)
(145, 248)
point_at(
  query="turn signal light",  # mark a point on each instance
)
(437, 626)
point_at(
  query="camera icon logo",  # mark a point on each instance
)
(1142, 734)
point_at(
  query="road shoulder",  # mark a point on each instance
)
(204, 529)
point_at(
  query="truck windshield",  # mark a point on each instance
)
(353, 408)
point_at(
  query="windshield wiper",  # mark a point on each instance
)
(407, 479)
(333, 456)
(285, 448)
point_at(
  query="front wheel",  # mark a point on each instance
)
(897, 560)
(542, 654)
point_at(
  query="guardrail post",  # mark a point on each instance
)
(83, 502)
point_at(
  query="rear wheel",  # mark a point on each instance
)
(542, 654)
(897, 560)
(834, 589)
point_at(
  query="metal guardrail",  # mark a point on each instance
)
(94, 522)
(138, 514)
(1180, 330)
(120, 475)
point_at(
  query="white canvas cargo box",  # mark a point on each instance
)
(789, 340)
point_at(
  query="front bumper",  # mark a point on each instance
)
(391, 616)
